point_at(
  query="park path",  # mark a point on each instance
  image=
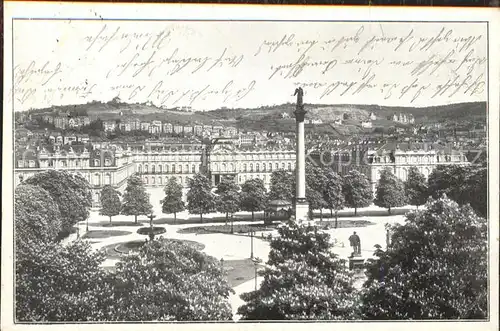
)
(238, 247)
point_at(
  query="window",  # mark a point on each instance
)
(159, 180)
(160, 169)
(167, 168)
(107, 179)
(263, 167)
(186, 168)
(289, 166)
(257, 168)
(251, 167)
(145, 168)
(270, 166)
(276, 166)
(153, 170)
(107, 162)
(282, 165)
(152, 180)
(193, 169)
(244, 167)
(97, 179)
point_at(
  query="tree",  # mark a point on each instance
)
(71, 193)
(416, 189)
(110, 202)
(435, 268)
(61, 283)
(169, 281)
(463, 184)
(315, 187)
(253, 196)
(172, 203)
(281, 186)
(303, 279)
(37, 216)
(228, 200)
(332, 194)
(390, 191)
(357, 190)
(136, 200)
(200, 198)
(449, 180)
(476, 191)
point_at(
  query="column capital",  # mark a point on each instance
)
(299, 113)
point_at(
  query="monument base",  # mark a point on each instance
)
(356, 262)
(302, 212)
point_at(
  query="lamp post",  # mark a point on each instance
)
(87, 227)
(251, 244)
(256, 261)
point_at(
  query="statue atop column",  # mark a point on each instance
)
(299, 92)
(299, 110)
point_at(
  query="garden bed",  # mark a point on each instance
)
(106, 224)
(237, 229)
(330, 224)
(116, 251)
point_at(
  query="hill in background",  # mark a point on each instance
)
(280, 117)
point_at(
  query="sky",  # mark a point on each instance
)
(207, 65)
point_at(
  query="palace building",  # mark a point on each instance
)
(371, 158)
(156, 162)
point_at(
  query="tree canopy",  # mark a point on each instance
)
(390, 191)
(172, 202)
(229, 197)
(436, 267)
(61, 283)
(357, 190)
(200, 198)
(282, 186)
(136, 200)
(416, 188)
(110, 202)
(169, 281)
(37, 216)
(253, 196)
(332, 194)
(303, 279)
(71, 193)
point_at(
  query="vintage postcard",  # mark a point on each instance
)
(199, 166)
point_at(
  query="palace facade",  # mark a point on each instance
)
(109, 164)
(371, 158)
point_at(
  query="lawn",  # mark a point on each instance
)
(106, 224)
(240, 271)
(115, 251)
(328, 224)
(237, 228)
(98, 234)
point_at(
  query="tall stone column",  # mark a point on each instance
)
(301, 206)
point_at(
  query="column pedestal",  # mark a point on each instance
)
(301, 211)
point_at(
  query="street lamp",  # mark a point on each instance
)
(251, 244)
(256, 261)
(87, 227)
